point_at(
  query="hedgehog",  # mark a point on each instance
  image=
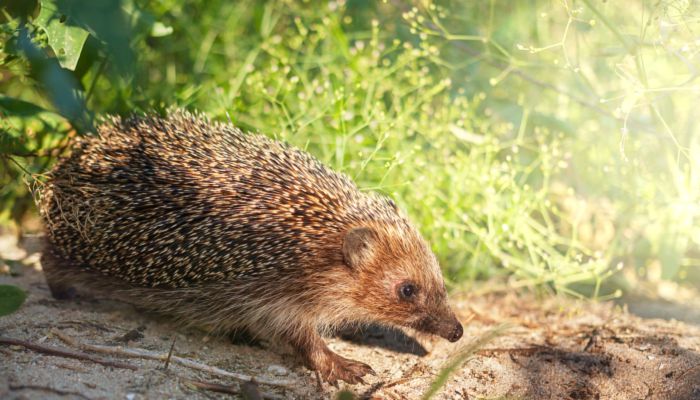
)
(234, 231)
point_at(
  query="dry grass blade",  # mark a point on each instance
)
(463, 354)
(170, 355)
(48, 389)
(61, 352)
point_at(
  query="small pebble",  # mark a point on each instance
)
(277, 370)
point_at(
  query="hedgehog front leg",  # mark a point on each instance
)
(57, 271)
(332, 367)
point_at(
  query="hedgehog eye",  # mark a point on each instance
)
(407, 290)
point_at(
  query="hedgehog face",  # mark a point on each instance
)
(399, 279)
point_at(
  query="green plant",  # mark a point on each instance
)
(11, 299)
(52, 53)
(456, 362)
(545, 142)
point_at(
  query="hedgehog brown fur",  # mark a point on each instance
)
(236, 231)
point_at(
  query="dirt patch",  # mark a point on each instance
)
(557, 348)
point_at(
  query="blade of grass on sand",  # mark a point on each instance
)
(463, 354)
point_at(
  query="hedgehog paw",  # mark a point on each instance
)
(339, 368)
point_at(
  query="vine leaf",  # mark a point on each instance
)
(65, 38)
(17, 107)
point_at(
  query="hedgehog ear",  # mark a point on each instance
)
(358, 246)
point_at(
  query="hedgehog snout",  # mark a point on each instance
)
(450, 329)
(456, 333)
(446, 326)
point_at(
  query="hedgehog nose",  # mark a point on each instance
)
(456, 333)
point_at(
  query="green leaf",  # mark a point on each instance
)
(17, 107)
(160, 30)
(107, 22)
(345, 395)
(11, 298)
(58, 83)
(65, 38)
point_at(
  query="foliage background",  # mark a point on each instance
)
(550, 143)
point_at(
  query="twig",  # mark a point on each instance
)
(20, 166)
(47, 389)
(214, 387)
(227, 389)
(407, 376)
(515, 360)
(83, 323)
(693, 368)
(61, 352)
(71, 367)
(152, 355)
(170, 354)
(592, 340)
(514, 350)
(401, 381)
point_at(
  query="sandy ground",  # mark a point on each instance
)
(556, 348)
